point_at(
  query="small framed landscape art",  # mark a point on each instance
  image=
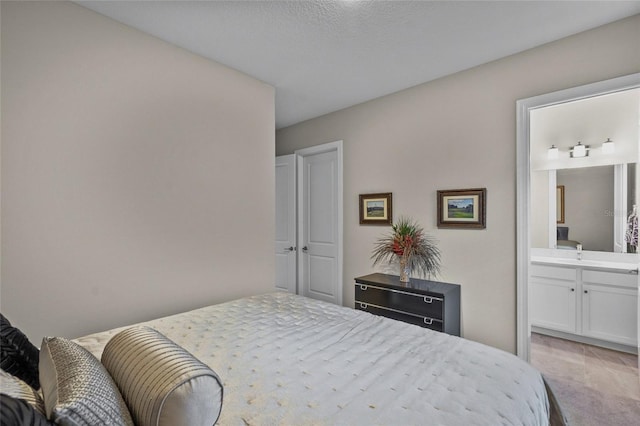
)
(462, 208)
(376, 209)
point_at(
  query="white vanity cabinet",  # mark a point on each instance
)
(553, 297)
(609, 306)
(587, 302)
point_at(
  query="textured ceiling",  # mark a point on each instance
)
(322, 56)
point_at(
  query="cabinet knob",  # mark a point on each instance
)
(573, 289)
(586, 291)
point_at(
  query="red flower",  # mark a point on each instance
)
(397, 249)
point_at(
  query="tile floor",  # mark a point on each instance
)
(595, 386)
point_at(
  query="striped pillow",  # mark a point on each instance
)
(161, 382)
(77, 389)
(16, 388)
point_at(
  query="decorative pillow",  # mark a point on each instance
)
(18, 412)
(77, 389)
(161, 382)
(16, 388)
(18, 356)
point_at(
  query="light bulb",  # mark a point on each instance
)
(579, 150)
(608, 147)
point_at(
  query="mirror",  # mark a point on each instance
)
(589, 198)
(589, 212)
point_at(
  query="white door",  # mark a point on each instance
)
(286, 254)
(320, 222)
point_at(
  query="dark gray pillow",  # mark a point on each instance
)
(18, 412)
(162, 383)
(18, 356)
(76, 388)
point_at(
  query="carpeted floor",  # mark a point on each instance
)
(595, 386)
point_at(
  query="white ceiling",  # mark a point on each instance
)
(322, 56)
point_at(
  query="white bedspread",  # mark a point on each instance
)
(290, 360)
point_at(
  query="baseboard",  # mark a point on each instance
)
(587, 340)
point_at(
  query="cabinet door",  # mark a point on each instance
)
(610, 313)
(553, 304)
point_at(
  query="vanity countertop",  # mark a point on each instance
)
(586, 263)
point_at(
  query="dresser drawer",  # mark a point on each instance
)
(412, 303)
(429, 304)
(422, 321)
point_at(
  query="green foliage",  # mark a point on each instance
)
(408, 240)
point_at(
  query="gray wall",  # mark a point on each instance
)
(125, 192)
(588, 200)
(460, 132)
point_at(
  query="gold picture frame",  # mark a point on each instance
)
(560, 204)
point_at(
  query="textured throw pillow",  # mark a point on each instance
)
(18, 356)
(161, 382)
(16, 388)
(18, 412)
(77, 389)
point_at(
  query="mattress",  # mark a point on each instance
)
(291, 360)
(567, 244)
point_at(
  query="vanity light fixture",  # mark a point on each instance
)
(608, 147)
(553, 153)
(579, 150)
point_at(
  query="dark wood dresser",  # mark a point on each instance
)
(430, 304)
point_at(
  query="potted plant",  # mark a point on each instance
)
(409, 244)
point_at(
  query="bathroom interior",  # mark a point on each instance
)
(584, 191)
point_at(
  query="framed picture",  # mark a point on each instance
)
(375, 209)
(560, 204)
(462, 208)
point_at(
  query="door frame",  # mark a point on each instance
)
(292, 190)
(300, 154)
(523, 185)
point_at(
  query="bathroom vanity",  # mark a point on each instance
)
(589, 300)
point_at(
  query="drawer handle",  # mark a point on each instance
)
(363, 287)
(428, 321)
(363, 306)
(428, 299)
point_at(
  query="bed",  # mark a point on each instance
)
(562, 239)
(290, 360)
